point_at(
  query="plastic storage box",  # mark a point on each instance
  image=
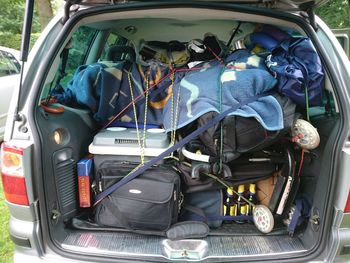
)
(122, 144)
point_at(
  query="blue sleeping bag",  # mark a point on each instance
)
(297, 67)
(294, 62)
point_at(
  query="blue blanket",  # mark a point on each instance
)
(244, 76)
(104, 88)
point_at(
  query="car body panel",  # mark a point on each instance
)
(279, 4)
(42, 249)
(9, 80)
(7, 86)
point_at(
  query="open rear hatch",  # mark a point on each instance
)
(268, 177)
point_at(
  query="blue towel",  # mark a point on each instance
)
(244, 76)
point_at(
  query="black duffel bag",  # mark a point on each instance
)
(148, 202)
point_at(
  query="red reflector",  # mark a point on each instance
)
(347, 206)
(12, 149)
(84, 191)
(15, 189)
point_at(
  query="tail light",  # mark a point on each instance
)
(12, 173)
(347, 206)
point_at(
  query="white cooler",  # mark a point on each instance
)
(121, 144)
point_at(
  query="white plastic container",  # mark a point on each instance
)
(121, 144)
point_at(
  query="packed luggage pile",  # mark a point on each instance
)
(196, 136)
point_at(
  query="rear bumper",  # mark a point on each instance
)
(29, 255)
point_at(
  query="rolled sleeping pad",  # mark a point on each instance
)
(276, 33)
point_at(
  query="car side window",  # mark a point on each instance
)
(8, 64)
(81, 42)
(84, 41)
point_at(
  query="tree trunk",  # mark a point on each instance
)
(45, 12)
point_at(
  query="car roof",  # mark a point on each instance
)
(273, 4)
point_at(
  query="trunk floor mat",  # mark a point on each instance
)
(245, 230)
(233, 229)
(130, 245)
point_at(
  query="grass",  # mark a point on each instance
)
(6, 245)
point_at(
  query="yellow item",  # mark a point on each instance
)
(233, 210)
(229, 191)
(258, 49)
(243, 210)
(241, 188)
(252, 188)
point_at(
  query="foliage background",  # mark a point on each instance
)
(6, 246)
(335, 13)
(11, 22)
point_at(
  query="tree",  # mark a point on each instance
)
(335, 13)
(12, 13)
(11, 17)
(44, 8)
(11, 23)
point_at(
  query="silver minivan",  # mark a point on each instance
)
(46, 136)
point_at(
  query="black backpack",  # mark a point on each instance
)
(240, 134)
